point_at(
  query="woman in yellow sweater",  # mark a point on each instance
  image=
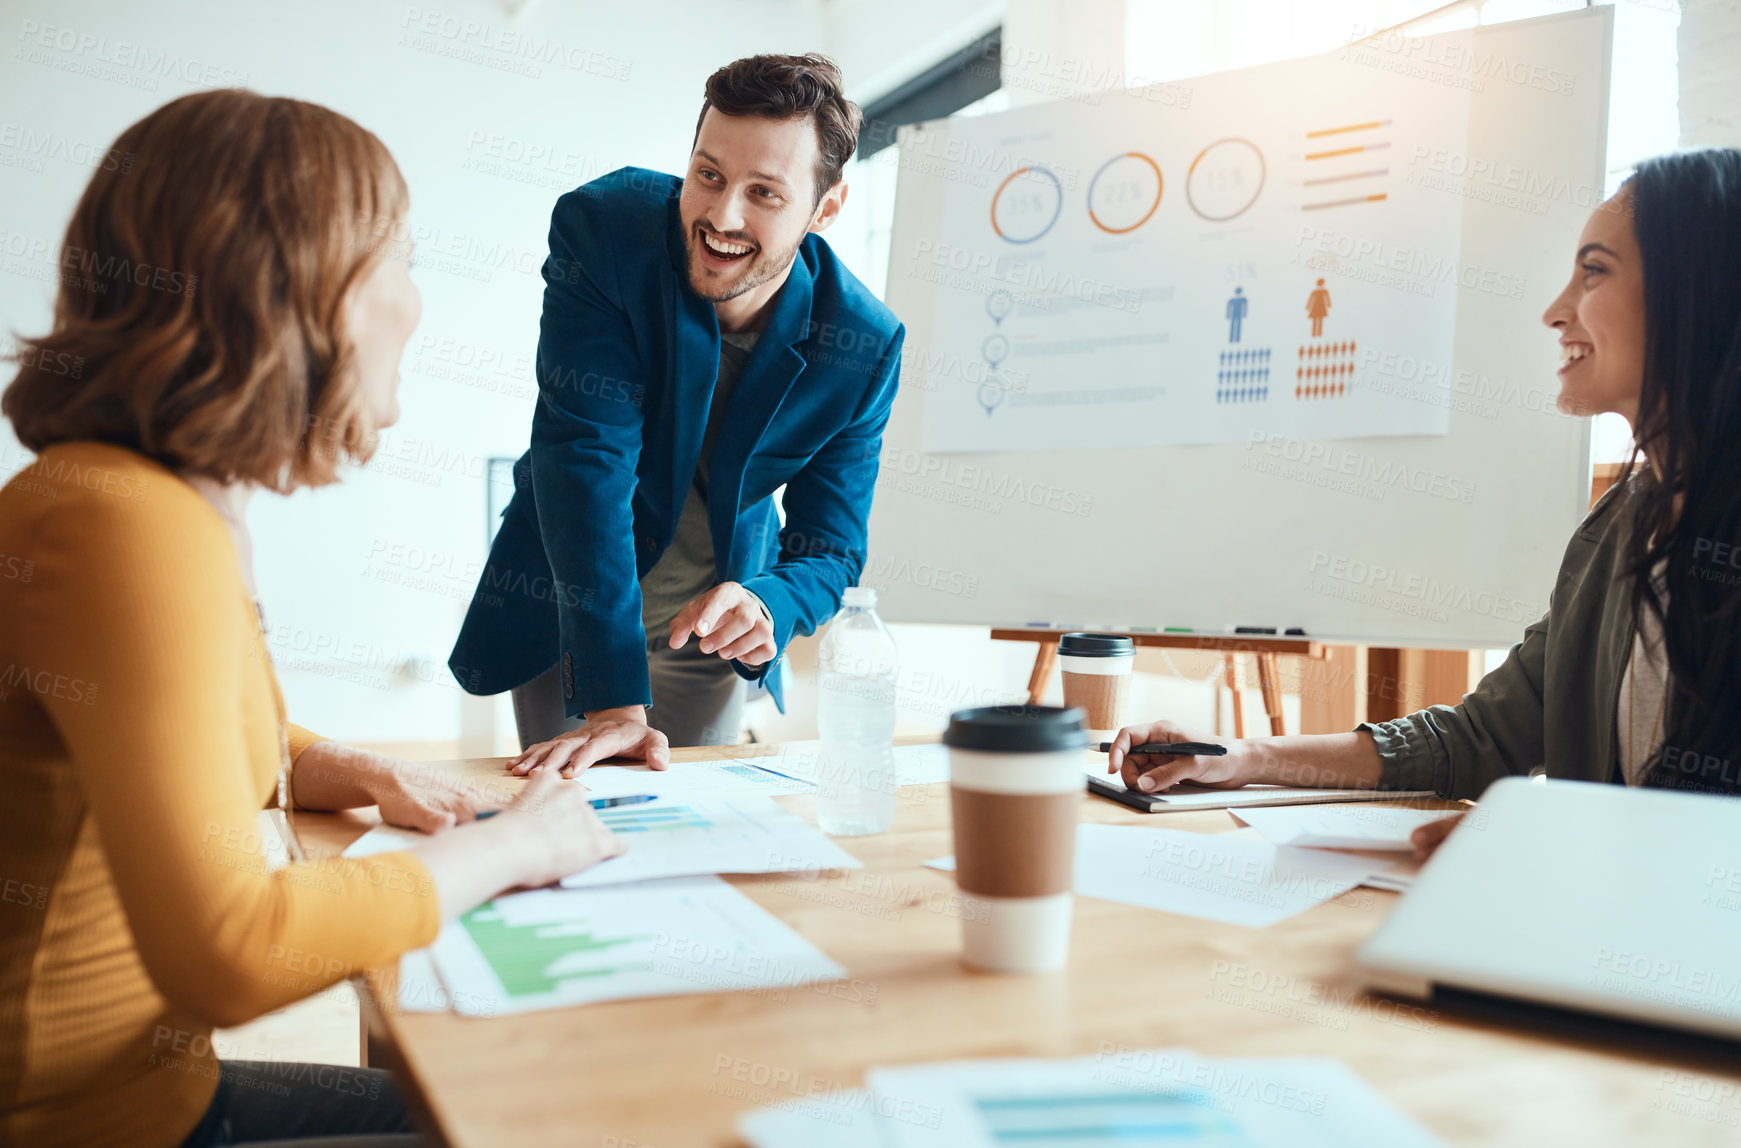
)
(230, 316)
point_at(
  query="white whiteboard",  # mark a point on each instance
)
(1201, 234)
(1447, 540)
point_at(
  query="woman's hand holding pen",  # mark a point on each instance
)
(1152, 773)
(1318, 760)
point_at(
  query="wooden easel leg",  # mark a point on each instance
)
(1042, 675)
(1233, 688)
(1270, 681)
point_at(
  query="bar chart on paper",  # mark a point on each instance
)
(691, 780)
(552, 947)
(1088, 1120)
(530, 958)
(637, 819)
(1141, 1099)
(672, 837)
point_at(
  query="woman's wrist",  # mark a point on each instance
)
(373, 773)
(1255, 761)
(1312, 761)
(513, 841)
(328, 775)
(474, 862)
(1267, 761)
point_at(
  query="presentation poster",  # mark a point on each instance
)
(1202, 261)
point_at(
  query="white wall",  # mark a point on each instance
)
(881, 44)
(1710, 79)
(365, 583)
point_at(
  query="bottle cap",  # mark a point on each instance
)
(859, 596)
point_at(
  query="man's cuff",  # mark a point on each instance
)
(766, 613)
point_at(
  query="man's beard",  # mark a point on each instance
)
(762, 266)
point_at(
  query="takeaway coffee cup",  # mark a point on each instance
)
(1015, 782)
(1096, 670)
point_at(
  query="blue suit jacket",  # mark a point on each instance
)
(627, 360)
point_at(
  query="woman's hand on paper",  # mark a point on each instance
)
(547, 832)
(1427, 838)
(1152, 773)
(556, 828)
(412, 795)
(418, 796)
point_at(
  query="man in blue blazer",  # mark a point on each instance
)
(700, 348)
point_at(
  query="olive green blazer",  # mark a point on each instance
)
(1549, 708)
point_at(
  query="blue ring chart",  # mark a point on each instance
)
(1027, 205)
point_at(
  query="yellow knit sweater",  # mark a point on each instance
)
(139, 739)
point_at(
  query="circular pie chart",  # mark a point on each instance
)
(1026, 204)
(1225, 179)
(1124, 193)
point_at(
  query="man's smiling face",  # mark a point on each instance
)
(748, 200)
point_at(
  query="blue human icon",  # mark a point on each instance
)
(991, 393)
(1236, 308)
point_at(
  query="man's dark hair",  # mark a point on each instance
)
(789, 88)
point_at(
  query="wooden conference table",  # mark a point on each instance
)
(675, 1072)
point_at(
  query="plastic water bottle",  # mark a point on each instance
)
(856, 715)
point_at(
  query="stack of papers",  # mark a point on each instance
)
(914, 764)
(1138, 1098)
(653, 921)
(671, 837)
(1217, 876)
(1235, 878)
(1371, 828)
(1384, 828)
(553, 948)
(726, 778)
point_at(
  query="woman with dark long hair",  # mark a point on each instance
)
(1634, 674)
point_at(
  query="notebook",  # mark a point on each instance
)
(1185, 797)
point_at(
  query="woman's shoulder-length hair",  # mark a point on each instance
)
(198, 315)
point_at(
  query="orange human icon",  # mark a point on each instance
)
(1318, 306)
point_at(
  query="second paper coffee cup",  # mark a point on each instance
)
(1096, 669)
(1015, 787)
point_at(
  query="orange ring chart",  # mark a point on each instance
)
(1031, 207)
(1127, 203)
(1225, 179)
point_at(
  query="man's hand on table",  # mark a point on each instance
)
(619, 732)
(729, 621)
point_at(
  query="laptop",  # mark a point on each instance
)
(1601, 898)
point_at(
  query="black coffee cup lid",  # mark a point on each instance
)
(1017, 729)
(1095, 646)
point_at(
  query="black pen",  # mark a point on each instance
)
(1181, 748)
